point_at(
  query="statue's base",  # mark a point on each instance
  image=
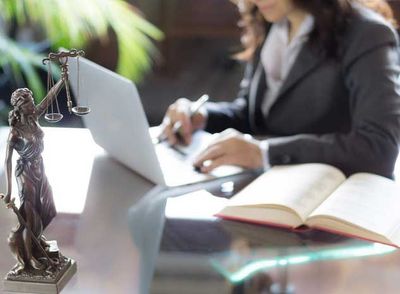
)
(35, 281)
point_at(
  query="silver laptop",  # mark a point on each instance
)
(118, 123)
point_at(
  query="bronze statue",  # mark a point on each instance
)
(37, 208)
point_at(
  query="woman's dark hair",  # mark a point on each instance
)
(331, 18)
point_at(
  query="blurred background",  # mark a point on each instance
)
(170, 48)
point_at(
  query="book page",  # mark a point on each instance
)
(300, 187)
(368, 201)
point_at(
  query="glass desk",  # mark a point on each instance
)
(202, 254)
(129, 236)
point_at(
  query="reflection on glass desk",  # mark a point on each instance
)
(201, 254)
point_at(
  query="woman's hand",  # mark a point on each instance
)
(232, 148)
(178, 114)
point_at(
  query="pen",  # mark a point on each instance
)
(194, 108)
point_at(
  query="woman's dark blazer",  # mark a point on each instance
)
(344, 112)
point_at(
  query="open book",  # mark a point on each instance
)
(319, 196)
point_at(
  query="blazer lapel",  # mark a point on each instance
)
(257, 92)
(306, 61)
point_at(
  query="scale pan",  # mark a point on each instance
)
(80, 110)
(53, 117)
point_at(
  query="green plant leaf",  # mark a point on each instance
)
(72, 24)
(24, 65)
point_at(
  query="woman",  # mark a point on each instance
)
(321, 83)
(37, 207)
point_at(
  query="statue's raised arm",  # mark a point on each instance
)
(62, 58)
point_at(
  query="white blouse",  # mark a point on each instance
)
(278, 55)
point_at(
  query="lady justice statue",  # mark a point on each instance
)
(36, 260)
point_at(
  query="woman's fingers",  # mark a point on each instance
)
(208, 166)
(217, 148)
(177, 126)
(230, 148)
(169, 134)
(182, 128)
(211, 153)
